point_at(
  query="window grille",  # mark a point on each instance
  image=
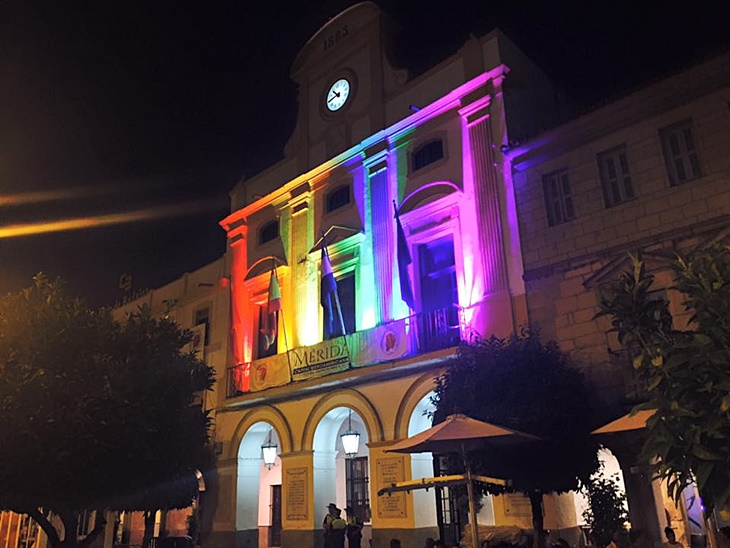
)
(356, 485)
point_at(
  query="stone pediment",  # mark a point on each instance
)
(337, 31)
(334, 235)
(655, 257)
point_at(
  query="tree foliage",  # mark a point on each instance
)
(525, 385)
(94, 413)
(607, 510)
(687, 372)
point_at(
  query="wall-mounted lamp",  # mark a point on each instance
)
(350, 439)
(269, 451)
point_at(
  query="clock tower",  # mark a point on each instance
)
(343, 76)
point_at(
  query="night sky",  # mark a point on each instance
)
(119, 106)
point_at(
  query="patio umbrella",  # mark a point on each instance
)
(632, 421)
(460, 434)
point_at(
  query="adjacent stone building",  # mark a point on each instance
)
(648, 173)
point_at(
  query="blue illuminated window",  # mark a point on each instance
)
(427, 154)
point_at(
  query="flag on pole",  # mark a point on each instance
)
(328, 289)
(273, 305)
(404, 259)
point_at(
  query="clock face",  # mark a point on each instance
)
(337, 95)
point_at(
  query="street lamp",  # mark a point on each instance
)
(269, 451)
(350, 439)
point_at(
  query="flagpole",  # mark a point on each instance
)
(337, 303)
(283, 320)
(337, 293)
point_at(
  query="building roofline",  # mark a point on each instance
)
(650, 100)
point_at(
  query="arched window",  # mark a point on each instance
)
(338, 198)
(269, 232)
(426, 154)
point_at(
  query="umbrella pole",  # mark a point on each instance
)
(472, 509)
(472, 503)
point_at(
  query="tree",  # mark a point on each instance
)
(93, 413)
(606, 512)
(687, 372)
(522, 384)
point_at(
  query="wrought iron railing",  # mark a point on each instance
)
(425, 332)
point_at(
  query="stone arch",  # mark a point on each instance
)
(266, 414)
(351, 399)
(415, 393)
(427, 193)
(263, 265)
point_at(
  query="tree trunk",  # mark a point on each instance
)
(46, 525)
(149, 527)
(99, 526)
(70, 522)
(538, 525)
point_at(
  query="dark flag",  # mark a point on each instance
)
(328, 290)
(404, 259)
(273, 305)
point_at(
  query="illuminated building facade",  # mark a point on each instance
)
(369, 142)
(649, 172)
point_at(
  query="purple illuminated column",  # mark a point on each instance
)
(381, 211)
(479, 151)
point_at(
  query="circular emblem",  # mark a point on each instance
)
(388, 342)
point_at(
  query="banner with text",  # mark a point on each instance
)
(321, 359)
(379, 344)
(270, 372)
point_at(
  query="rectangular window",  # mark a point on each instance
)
(615, 177)
(680, 153)
(558, 201)
(356, 487)
(427, 154)
(439, 318)
(202, 316)
(346, 292)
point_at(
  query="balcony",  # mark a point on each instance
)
(412, 336)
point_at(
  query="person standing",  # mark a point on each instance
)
(337, 532)
(354, 529)
(327, 524)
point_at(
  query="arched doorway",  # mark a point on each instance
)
(424, 502)
(258, 506)
(340, 478)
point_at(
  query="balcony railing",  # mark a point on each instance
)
(415, 335)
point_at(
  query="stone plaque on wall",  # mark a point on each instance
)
(517, 505)
(391, 470)
(297, 507)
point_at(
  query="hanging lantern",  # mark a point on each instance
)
(269, 451)
(350, 439)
